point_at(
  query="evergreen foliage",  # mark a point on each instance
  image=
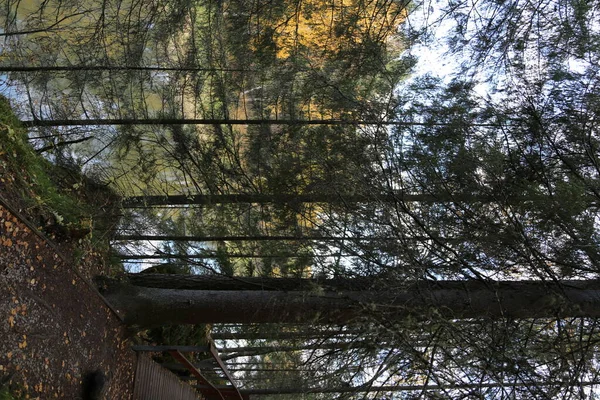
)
(483, 178)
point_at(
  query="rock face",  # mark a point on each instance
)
(93, 385)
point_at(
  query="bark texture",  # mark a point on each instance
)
(147, 307)
(283, 198)
(221, 282)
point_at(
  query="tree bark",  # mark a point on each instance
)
(210, 255)
(282, 335)
(150, 307)
(218, 121)
(69, 68)
(405, 388)
(222, 282)
(282, 198)
(270, 238)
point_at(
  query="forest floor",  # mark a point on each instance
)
(54, 325)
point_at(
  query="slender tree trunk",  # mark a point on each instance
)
(148, 307)
(259, 351)
(211, 255)
(252, 350)
(217, 121)
(270, 238)
(405, 388)
(222, 282)
(69, 68)
(292, 335)
(339, 198)
(62, 144)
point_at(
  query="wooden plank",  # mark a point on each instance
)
(154, 382)
(190, 367)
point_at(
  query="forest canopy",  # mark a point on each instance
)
(297, 146)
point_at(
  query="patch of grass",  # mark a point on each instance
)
(62, 201)
(33, 174)
(7, 394)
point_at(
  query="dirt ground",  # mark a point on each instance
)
(54, 326)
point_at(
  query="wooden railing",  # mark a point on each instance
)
(208, 389)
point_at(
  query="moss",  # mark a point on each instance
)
(63, 202)
(53, 195)
(33, 174)
(7, 394)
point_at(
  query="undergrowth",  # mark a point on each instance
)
(32, 173)
(62, 202)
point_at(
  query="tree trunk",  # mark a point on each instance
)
(210, 255)
(270, 238)
(70, 68)
(222, 282)
(219, 121)
(277, 334)
(252, 350)
(150, 307)
(258, 198)
(407, 388)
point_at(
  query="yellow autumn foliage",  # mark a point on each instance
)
(314, 28)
